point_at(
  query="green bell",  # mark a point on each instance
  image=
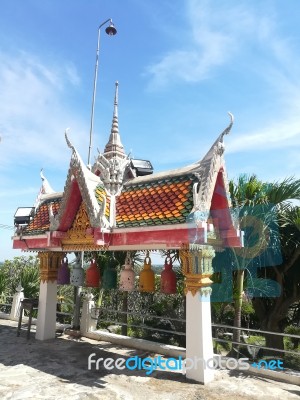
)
(109, 278)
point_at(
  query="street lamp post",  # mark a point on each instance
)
(111, 31)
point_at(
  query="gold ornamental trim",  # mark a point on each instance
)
(194, 283)
(197, 262)
(196, 267)
(49, 264)
(84, 247)
(78, 237)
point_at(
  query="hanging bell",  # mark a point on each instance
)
(147, 277)
(168, 278)
(109, 278)
(127, 277)
(63, 273)
(92, 278)
(77, 272)
(111, 30)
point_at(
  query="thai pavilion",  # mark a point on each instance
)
(120, 204)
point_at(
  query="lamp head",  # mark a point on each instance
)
(111, 30)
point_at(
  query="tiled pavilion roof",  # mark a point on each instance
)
(100, 196)
(161, 202)
(41, 221)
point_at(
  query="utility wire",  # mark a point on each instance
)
(2, 226)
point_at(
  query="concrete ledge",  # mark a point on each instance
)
(140, 344)
(287, 376)
(4, 315)
(24, 318)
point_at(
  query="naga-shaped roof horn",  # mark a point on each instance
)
(228, 129)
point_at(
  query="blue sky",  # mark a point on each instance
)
(181, 66)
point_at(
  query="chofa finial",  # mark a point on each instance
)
(42, 174)
(67, 140)
(228, 129)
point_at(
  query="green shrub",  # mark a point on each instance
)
(292, 343)
(3, 285)
(292, 361)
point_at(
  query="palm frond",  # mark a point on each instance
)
(281, 191)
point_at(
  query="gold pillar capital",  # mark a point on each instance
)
(49, 264)
(197, 267)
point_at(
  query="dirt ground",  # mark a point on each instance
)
(58, 369)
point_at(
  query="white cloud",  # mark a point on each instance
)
(282, 135)
(247, 39)
(220, 34)
(280, 128)
(215, 32)
(34, 109)
(73, 75)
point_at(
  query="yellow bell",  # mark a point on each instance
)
(147, 277)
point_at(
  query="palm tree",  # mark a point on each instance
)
(273, 312)
(258, 205)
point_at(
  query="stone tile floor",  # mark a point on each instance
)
(58, 370)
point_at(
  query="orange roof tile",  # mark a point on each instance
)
(41, 221)
(165, 201)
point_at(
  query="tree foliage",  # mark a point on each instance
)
(271, 256)
(22, 270)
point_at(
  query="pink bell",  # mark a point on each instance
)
(168, 278)
(92, 278)
(63, 273)
(127, 277)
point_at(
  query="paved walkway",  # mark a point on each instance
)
(58, 369)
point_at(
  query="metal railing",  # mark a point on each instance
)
(6, 307)
(61, 316)
(217, 337)
(143, 317)
(257, 332)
